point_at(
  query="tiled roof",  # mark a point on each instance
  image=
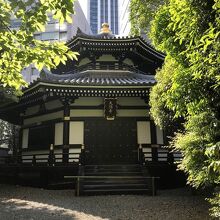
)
(101, 78)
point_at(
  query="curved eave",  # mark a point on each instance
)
(116, 41)
(48, 83)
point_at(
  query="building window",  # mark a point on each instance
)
(94, 16)
(37, 36)
(51, 20)
(63, 36)
(50, 36)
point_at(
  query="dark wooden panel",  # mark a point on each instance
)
(108, 142)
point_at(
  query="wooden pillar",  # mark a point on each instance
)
(66, 128)
(17, 151)
(154, 141)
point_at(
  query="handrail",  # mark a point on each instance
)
(104, 67)
(115, 177)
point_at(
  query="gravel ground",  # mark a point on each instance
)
(26, 203)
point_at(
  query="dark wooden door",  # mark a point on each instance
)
(111, 142)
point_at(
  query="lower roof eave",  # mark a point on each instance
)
(66, 86)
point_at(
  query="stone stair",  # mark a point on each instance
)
(115, 179)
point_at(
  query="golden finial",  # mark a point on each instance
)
(105, 29)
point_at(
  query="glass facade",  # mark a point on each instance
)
(106, 8)
(94, 15)
(116, 16)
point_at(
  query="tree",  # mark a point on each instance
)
(141, 14)
(188, 31)
(19, 49)
(5, 132)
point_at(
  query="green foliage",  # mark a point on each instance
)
(141, 14)
(164, 82)
(5, 132)
(19, 49)
(215, 210)
(188, 31)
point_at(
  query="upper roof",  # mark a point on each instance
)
(92, 47)
(110, 41)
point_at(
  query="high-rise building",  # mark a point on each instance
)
(101, 11)
(54, 31)
(124, 23)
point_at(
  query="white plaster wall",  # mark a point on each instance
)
(128, 62)
(76, 135)
(159, 135)
(85, 101)
(106, 58)
(94, 101)
(86, 113)
(124, 101)
(25, 134)
(84, 61)
(143, 132)
(132, 113)
(46, 117)
(58, 139)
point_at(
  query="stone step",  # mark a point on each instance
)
(113, 173)
(115, 186)
(114, 181)
(117, 191)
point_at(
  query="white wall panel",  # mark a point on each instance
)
(88, 101)
(106, 58)
(131, 101)
(128, 62)
(132, 113)
(159, 135)
(75, 150)
(76, 135)
(25, 134)
(143, 132)
(86, 113)
(58, 139)
(84, 61)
